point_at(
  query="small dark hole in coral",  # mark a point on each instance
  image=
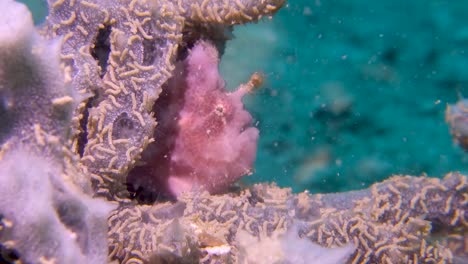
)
(254, 198)
(150, 51)
(436, 226)
(124, 126)
(8, 256)
(83, 136)
(183, 50)
(217, 34)
(125, 123)
(7, 118)
(144, 196)
(102, 48)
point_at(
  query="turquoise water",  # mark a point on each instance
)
(355, 90)
(39, 8)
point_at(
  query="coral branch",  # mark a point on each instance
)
(230, 12)
(35, 96)
(46, 209)
(121, 53)
(398, 220)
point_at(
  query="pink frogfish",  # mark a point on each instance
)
(204, 139)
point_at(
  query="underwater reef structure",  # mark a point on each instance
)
(47, 212)
(401, 220)
(102, 108)
(121, 53)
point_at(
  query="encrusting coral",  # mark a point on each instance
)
(47, 212)
(401, 220)
(122, 52)
(45, 217)
(78, 104)
(36, 98)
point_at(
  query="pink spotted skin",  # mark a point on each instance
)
(204, 139)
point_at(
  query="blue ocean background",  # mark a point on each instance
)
(355, 91)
